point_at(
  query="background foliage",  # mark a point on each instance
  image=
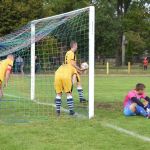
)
(114, 18)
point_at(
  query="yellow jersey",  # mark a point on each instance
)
(4, 65)
(63, 78)
(70, 55)
(66, 71)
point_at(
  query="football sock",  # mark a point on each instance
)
(140, 110)
(80, 92)
(58, 103)
(70, 103)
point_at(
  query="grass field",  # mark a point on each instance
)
(36, 132)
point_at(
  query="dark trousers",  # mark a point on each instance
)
(145, 67)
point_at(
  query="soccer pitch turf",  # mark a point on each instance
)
(67, 133)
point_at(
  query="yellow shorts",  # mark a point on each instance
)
(62, 84)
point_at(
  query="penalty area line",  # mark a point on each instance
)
(127, 132)
(63, 109)
(14, 96)
(48, 104)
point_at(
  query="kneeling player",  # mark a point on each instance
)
(65, 77)
(5, 69)
(133, 105)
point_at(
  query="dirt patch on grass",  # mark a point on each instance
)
(109, 105)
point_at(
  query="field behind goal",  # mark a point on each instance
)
(42, 44)
(109, 129)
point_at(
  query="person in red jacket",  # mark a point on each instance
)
(145, 63)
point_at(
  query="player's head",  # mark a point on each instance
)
(73, 45)
(140, 87)
(10, 56)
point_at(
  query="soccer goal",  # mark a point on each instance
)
(39, 49)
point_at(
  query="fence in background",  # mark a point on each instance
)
(109, 68)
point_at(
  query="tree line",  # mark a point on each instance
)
(118, 22)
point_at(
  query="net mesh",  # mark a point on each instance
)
(52, 40)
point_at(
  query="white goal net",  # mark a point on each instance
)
(39, 49)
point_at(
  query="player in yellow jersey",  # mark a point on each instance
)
(65, 77)
(5, 70)
(70, 58)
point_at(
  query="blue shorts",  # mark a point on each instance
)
(128, 112)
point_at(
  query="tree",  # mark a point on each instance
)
(116, 18)
(107, 27)
(137, 28)
(62, 6)
(15, 14)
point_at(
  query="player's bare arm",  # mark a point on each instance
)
(80, 70)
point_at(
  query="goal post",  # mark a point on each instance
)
(91, 59)
(40, 47)
(32, 61)
(91, 55)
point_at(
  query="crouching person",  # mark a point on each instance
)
(133, 104)
(65, 77)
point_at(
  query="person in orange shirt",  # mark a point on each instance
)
(5, 70)
(145, 63)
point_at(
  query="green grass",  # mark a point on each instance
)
(35, 132)
(17, 97)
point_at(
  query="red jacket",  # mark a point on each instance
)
(145, 62)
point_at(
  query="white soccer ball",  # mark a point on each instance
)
(84, 65)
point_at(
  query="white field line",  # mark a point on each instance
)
(108, 125)
(48, 104)
(14, 96)
(63, 109)
(128, 132)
